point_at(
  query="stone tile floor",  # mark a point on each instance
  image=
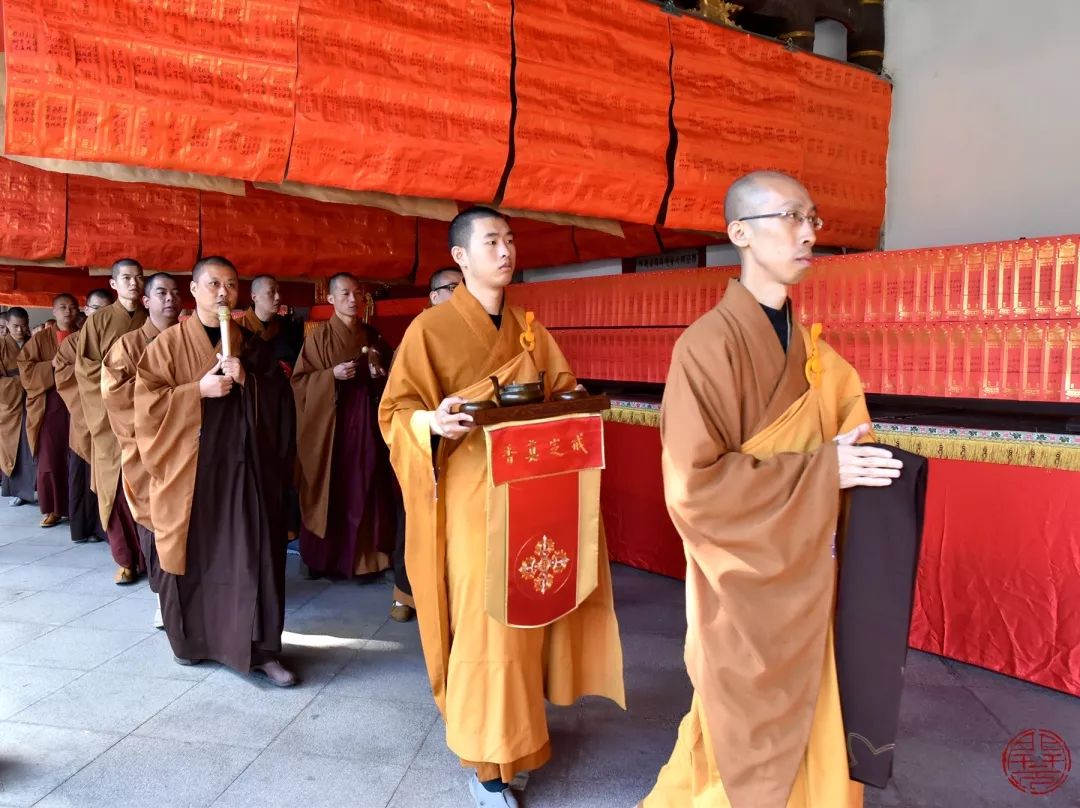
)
(93, 711)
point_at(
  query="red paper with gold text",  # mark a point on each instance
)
(593, 92)
(156, 225)
(202, 87)
(404, 98)
(550, 533)
(300, 237)
(33, 212)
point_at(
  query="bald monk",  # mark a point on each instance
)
(3, 324)
(214, 426)
(760, 425)
(489, 680)
(161, 297)
(443, 283)
(103, 328)
(284, 336)
(47, 419)
(346, 484)
(84, 522)
(16, 458)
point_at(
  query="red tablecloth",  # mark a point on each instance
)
(999, 576)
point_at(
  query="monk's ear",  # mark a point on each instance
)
(192, 287)
(737, 233)
(431, 296)
(460, 256)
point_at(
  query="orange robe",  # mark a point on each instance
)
(488, 680)
(103, 328)
(118, 393)
(12, 396)
(68, 388)
(47, 419)
(38, 377)
(751, 482)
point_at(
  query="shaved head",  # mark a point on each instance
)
(211, 260)
(64, 297)
(338, 280)
(101, 297)
(746, 194)
(65, 311)
(125, 263)
(260, 282)
(17, 313)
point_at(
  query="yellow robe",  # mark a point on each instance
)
(488, 680)
(751, 482)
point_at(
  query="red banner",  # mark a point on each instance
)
(405, 98)
(527, 450)
(736, 110)
(593, 92)
(637, 240)
(543, 517)
(155, 225)
(844, 121)
(33, 212)
(299, 237)
(204, 87)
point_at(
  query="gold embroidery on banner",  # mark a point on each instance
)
(546, 562)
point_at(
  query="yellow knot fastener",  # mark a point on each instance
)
(528, 338)
(813, 362)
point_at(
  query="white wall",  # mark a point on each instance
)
(985, 139)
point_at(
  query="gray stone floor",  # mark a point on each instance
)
(93, 711)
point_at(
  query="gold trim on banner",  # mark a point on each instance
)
(633, 416)
(1006, 453)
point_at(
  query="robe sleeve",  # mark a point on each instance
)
(166, 413)
(720, 498)
(35, 371)
(118, 389)
(11, 406)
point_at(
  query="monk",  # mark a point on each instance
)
(489, 680)
(161, 297)
(443, 283)
(760, 425)
(262, 319)
(16, 458)
(3, 324)
(103, 328)
(346, 484)
(47, 419)
(214, 427)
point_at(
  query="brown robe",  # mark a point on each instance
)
(68, 388)
(337, 421)
(219, 470)
(757, 528)
(103, 328)
(284, 336)
(47, 419)
(489, 680)
(12, 396)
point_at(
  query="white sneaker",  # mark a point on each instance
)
(483, 798)
(159, 621)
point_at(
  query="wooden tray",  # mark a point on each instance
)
(548, 409)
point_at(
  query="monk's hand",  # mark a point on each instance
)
(451, 425)
(864, 465)
(375, 367)
(346, 370)
(232, 367)
(215, 385)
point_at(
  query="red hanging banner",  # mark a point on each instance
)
(543, 517)
(203, 87)
(593, 93)
(300, 237)
(844, 119)
(404, 98)
(154, 224)
(736, 110)
(33, 212)
(637, 240)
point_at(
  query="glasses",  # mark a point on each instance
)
(450, 287)
(793, 217)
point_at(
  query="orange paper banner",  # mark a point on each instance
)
(405, 98)
(736, 110)
(203, 87)
(33, 212)
(593, 93)
(295, 236)
(155, 225)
